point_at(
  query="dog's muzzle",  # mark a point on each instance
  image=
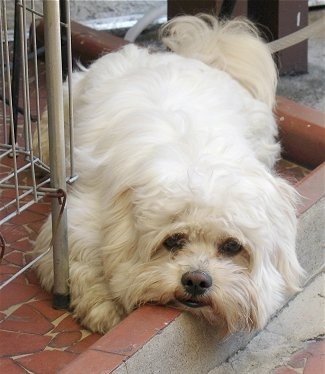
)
(196, 283)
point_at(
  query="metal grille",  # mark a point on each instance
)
(20, 114)
(24, 177)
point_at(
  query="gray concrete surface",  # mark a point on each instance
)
(93, 12)
(309, 89)
(302, 320)
(311, 239)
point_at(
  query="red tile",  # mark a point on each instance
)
(65, 339)
(27, 217)
(316, 348)
(12, 233)
(302, 132)
(8, 270)
(315, 365)
(84, 344)
(285, 370)
(41, 208)
(47, 362)
(316, 362)
(67, 324)
(28, 257)
(135, 330)
(310, 360)
(45, 308)
(35, 228)
(15, 293)
(14, 344)
(9, 366)
(94, 362)
(31, 277)
(26, 319)
(8, 193)
(311, 188)
(298, 361)
(22, 245)
(42, 295)
(15, 257)
(290, 171)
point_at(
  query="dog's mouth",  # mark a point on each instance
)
(194, 303)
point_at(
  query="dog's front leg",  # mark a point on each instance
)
(93, 306)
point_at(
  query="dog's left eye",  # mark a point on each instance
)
(230, 247)
(175, 242)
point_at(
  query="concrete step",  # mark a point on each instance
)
(301, 321)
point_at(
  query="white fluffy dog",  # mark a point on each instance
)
(176, 201)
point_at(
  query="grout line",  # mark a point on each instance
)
(58, 320)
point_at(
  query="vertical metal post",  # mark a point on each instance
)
(16, 64)
(52, 42)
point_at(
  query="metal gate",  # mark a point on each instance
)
(24, 175)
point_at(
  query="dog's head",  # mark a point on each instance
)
(221, 246)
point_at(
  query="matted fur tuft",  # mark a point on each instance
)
(233, 46)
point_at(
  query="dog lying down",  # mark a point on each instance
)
(177, 202)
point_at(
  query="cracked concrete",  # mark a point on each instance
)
(285, 334)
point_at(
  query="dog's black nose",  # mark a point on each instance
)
(196, 282)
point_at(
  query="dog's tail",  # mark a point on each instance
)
(233, 46)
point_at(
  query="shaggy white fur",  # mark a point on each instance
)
(176, 201)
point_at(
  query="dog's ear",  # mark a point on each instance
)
(285, 259)
(232, 46)
(118, 228)
(279, 257)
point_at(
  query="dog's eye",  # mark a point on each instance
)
(230, 247)
(175, 242)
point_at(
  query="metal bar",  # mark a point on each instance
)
(72, 176)
(26, 267)
(26, 96)
(33, 11)
(37, 98)
(23, 207)
(3, 30)
(57, 149)
(10, 103)
(63, 20)
(24, 61)
(16, 70)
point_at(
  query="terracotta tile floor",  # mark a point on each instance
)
(33, 335)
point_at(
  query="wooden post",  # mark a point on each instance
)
(279, 18)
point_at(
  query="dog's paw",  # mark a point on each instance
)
(101, 317)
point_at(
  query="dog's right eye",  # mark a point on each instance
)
(175, 242)
(230, 247)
